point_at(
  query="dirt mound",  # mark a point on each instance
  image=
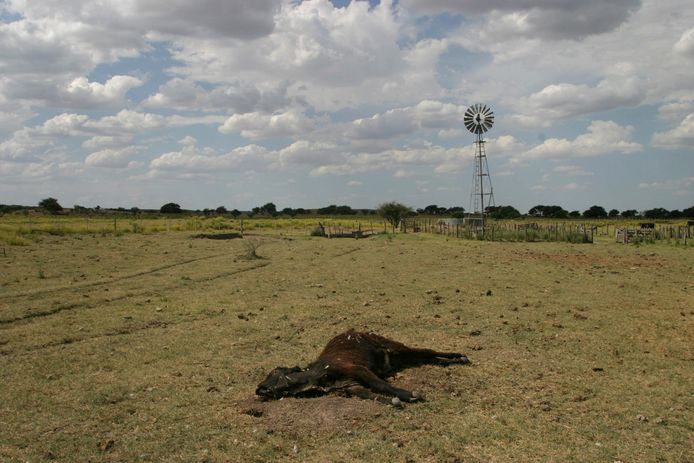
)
(321, 415)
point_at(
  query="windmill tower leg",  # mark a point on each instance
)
(482, 194)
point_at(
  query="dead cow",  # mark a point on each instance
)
(354, 364)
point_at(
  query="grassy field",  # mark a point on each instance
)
(148, 347)
(21, 230)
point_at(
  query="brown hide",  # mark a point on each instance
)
(354, 363)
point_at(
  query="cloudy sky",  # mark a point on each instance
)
(305, 104)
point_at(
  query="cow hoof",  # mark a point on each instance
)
(415, 397)
(397, 403)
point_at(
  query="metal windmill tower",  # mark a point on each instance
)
(478, 119)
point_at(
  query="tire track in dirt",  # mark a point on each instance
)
(153, 324)
(43, 292)
(98, 303)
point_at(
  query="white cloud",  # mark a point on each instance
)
(229, 18)
(107, 141)
(82, 93)
(504, 144)
(113, 158)
(679, 186)
(437, 158)
(237, 97)
(193, 160)
(573, 186)
(206, 18)
(681, 136)
(559, 20)
(685, 45)
(52, 45)
(675, 111)
(559, 101)
(403, 174)
(257, 125)
(427, 114)
(603, 137)
(572, 170)
(109, 132)
(311, 153)
(332, 57)
(127, 121)
(547, 19)
(451, 133)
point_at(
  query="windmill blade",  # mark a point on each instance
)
(478, 118)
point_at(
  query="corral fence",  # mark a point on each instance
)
(503, 231)
(654, 232)
(339, 231)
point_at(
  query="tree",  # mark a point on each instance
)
(235, 213)
(613, 213)
(553, 212)
(170, 208)
(688, 212)
(268, 208)
(574, 214)
(433, 209)
(336, 210)
(630, 213)
(51, 205)
(221, 210)
(537, 211)
(503, 212)
(394, 212)
(657, 213)
(595, 212)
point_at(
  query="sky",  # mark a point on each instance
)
(137, 103)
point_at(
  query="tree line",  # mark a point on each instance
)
(51, 205)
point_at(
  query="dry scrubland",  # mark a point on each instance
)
(148, 347)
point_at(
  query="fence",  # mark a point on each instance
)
(653, 233)
(500, 231)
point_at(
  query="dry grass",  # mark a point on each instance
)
(149, 347)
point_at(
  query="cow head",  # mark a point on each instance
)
(283, 382)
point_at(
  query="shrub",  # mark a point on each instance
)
(251, 249)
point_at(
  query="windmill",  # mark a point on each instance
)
(478, 119)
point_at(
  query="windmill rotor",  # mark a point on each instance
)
(478, 118)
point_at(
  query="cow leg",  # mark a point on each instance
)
(417, 354)
(414, 356)
(363, 393)
(376, 384)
